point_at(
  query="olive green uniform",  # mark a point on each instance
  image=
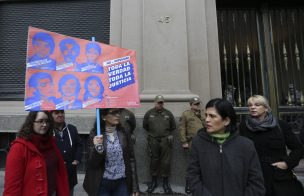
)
(160, 125)
(128, 121)
(189, 124)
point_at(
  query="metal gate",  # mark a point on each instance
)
(262, 52)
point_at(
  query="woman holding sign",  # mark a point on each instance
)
(111, 166)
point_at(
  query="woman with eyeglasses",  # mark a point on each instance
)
(271, 137)
(111, 167)
(34, 165)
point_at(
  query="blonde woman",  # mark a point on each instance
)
(271, 136)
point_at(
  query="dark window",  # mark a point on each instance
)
(81, 19)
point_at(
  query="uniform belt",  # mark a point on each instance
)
(158, 137)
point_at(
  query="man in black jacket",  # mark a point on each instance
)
(69, 144)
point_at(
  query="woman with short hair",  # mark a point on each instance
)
(221, 161)
(271, 137)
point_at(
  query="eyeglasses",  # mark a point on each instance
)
(42, 121)
(58, 111)
(114, 112)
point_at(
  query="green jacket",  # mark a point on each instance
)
(159, 123)
(189, 124)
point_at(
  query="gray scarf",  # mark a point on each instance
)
(256, 126)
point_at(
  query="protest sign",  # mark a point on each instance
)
(65, 72)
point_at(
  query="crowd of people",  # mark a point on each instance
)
(224, 156)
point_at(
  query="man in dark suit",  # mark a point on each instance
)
(69, 144)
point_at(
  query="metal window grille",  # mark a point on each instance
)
(239, 54)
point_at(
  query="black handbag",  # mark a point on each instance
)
(291, 185)
(283, 174)
(288, 187)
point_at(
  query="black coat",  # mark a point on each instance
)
(271, 147)
(96, 163)
(302, 135)
(70, 146)
(230, 169)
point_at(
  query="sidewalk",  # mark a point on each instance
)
(78, 191)
(178, 190)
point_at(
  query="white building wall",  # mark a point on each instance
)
(177, 56)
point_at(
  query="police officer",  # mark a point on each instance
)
(128, 121)
(159, 123)
(190, 122)
(69, 144)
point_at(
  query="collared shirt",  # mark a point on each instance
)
(115, 165)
